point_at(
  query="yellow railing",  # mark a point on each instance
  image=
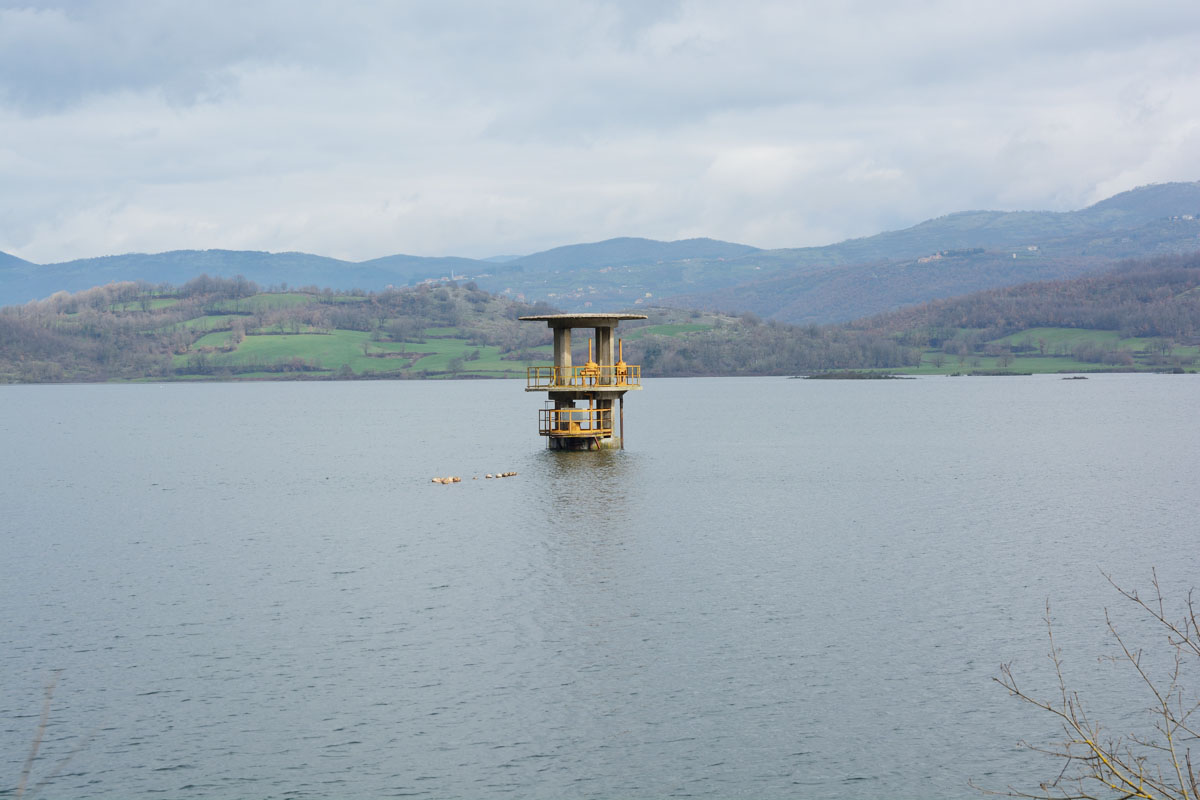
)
(595, 422)
(585, 377)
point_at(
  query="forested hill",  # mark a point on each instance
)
(22, 281)
(1142, 315)
(12, 263)
(227, 329)
(954, 255)
(626, 251)
(1158, 297)
(944, 257)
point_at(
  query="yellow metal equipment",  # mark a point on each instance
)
(545, 378)
(575, 422)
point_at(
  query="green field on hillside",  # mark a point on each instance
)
(265, 302)
(299, 337)
(1052, 352)
(210, 322)
(215, 329)
(444, 351)
(670, 329)
(152, 304)
(1064, 339)
(329, 352)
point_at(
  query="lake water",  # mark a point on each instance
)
(781, 588)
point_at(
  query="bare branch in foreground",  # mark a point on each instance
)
(1155, 765)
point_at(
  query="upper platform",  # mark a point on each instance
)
(590, 378)
(585, 320)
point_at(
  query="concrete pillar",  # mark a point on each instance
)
(562, 352)
(604, 347)
(604, 353)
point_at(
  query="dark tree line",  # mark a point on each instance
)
(745, 346)
(1157, 297)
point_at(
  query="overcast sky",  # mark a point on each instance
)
(364, 129)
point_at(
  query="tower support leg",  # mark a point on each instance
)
(622, 404)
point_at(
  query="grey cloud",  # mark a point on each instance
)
(56, 55)
(284, 125)
(53, 58)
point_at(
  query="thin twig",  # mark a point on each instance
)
(41, 732)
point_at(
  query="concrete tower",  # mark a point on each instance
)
(601, 383)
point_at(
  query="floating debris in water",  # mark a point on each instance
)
(457, 479)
